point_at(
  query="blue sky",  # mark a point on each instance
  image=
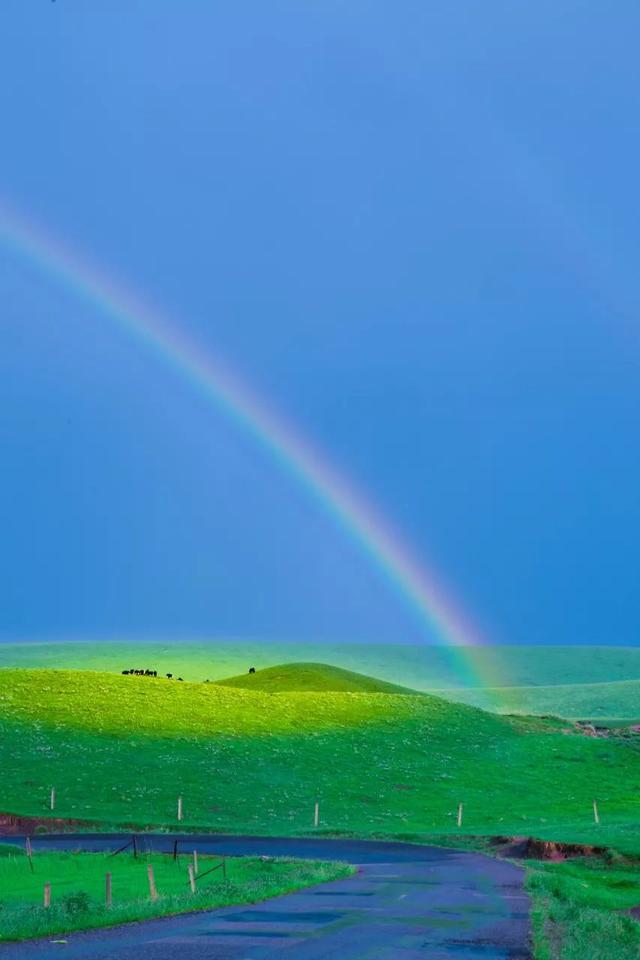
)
(413, 228)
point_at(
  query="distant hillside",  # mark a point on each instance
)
(419, 666)
(586, 682)
(615, 701)
(317, 677)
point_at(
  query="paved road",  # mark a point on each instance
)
(406, 902)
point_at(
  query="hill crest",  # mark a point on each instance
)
(313, 677)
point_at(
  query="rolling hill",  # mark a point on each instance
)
(589, 683)
(120, 749)
(311, 676)
(420, 667)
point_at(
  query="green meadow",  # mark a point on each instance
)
(120, 749)
(78, 887)
(598, 683)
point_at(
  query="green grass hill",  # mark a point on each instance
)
(311, 676)
(588, 683)
(120, 749)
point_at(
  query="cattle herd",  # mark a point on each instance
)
(146, 673)
(154, 673)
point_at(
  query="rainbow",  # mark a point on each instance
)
(441, 619)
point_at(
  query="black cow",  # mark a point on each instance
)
(252, 669)
(169, 676)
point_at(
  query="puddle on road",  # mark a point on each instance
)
(282, 916)
(271, 934)
(495, 951)
(343, 893)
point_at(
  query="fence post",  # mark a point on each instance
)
(596, 815)
(179, 808)
(153, 893)
(316, 814)
(107, 890)
(459, 814)
(52, 799)
(224, 867)
(192, 878)
(27, 844)
(47, 895)
(195, 862)
(135, 847)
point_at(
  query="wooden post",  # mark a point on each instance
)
(459, 814)
(52, 799)
(107, 890)
(224, 867)
(135, 847)
(192, 878)
(27, 844)
(47, 895)
(195, 862)
(316, 814)
(179, 808)
(596, 815)
(175, 850)
(153, 893)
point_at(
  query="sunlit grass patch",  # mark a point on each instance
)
(115, 704)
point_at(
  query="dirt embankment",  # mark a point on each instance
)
(530, 848)
(12, 824)
(586, 729)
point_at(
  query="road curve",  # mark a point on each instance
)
(407, 902)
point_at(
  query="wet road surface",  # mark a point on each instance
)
(407, 902)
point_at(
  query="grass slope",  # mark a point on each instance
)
(120, 749)
(579, 910)
(78, 885)
(317, 677)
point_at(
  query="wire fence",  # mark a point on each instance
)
(93, 870)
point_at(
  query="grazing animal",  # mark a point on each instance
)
(252, 669)
(179, 678)
(169, 676)
(125, 673)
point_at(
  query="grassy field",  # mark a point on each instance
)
(589, 683)
(78, 888)
(119, 750)
(579, 910)
(253, 754)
